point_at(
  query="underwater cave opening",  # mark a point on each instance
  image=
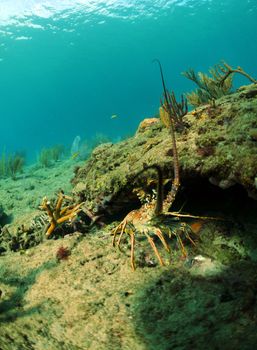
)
(197, 196)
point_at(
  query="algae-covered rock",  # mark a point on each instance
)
(218, 144)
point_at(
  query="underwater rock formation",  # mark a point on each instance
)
(219, 144)
(211, 292)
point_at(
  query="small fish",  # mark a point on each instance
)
(114, 116)
(75, 155)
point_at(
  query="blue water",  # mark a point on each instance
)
(66, 69)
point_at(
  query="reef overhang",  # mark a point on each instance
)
(219, 144)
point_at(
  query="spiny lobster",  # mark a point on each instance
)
(149, 219)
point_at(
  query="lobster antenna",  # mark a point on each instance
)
(176, 182)
(163, 82)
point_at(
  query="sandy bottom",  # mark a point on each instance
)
(93, 300)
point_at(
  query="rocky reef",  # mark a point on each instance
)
(77, 292)
(218, 144)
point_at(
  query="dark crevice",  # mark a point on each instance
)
(200, 197)
(196, 196)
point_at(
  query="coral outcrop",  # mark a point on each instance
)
(219, 144)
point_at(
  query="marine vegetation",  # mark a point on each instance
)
(215, 85)
(179, 110)
(150, 218)
(12, 164)
(45, 157)
(57, 151)
(3, 164)
(15, 164)
(49, 155)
